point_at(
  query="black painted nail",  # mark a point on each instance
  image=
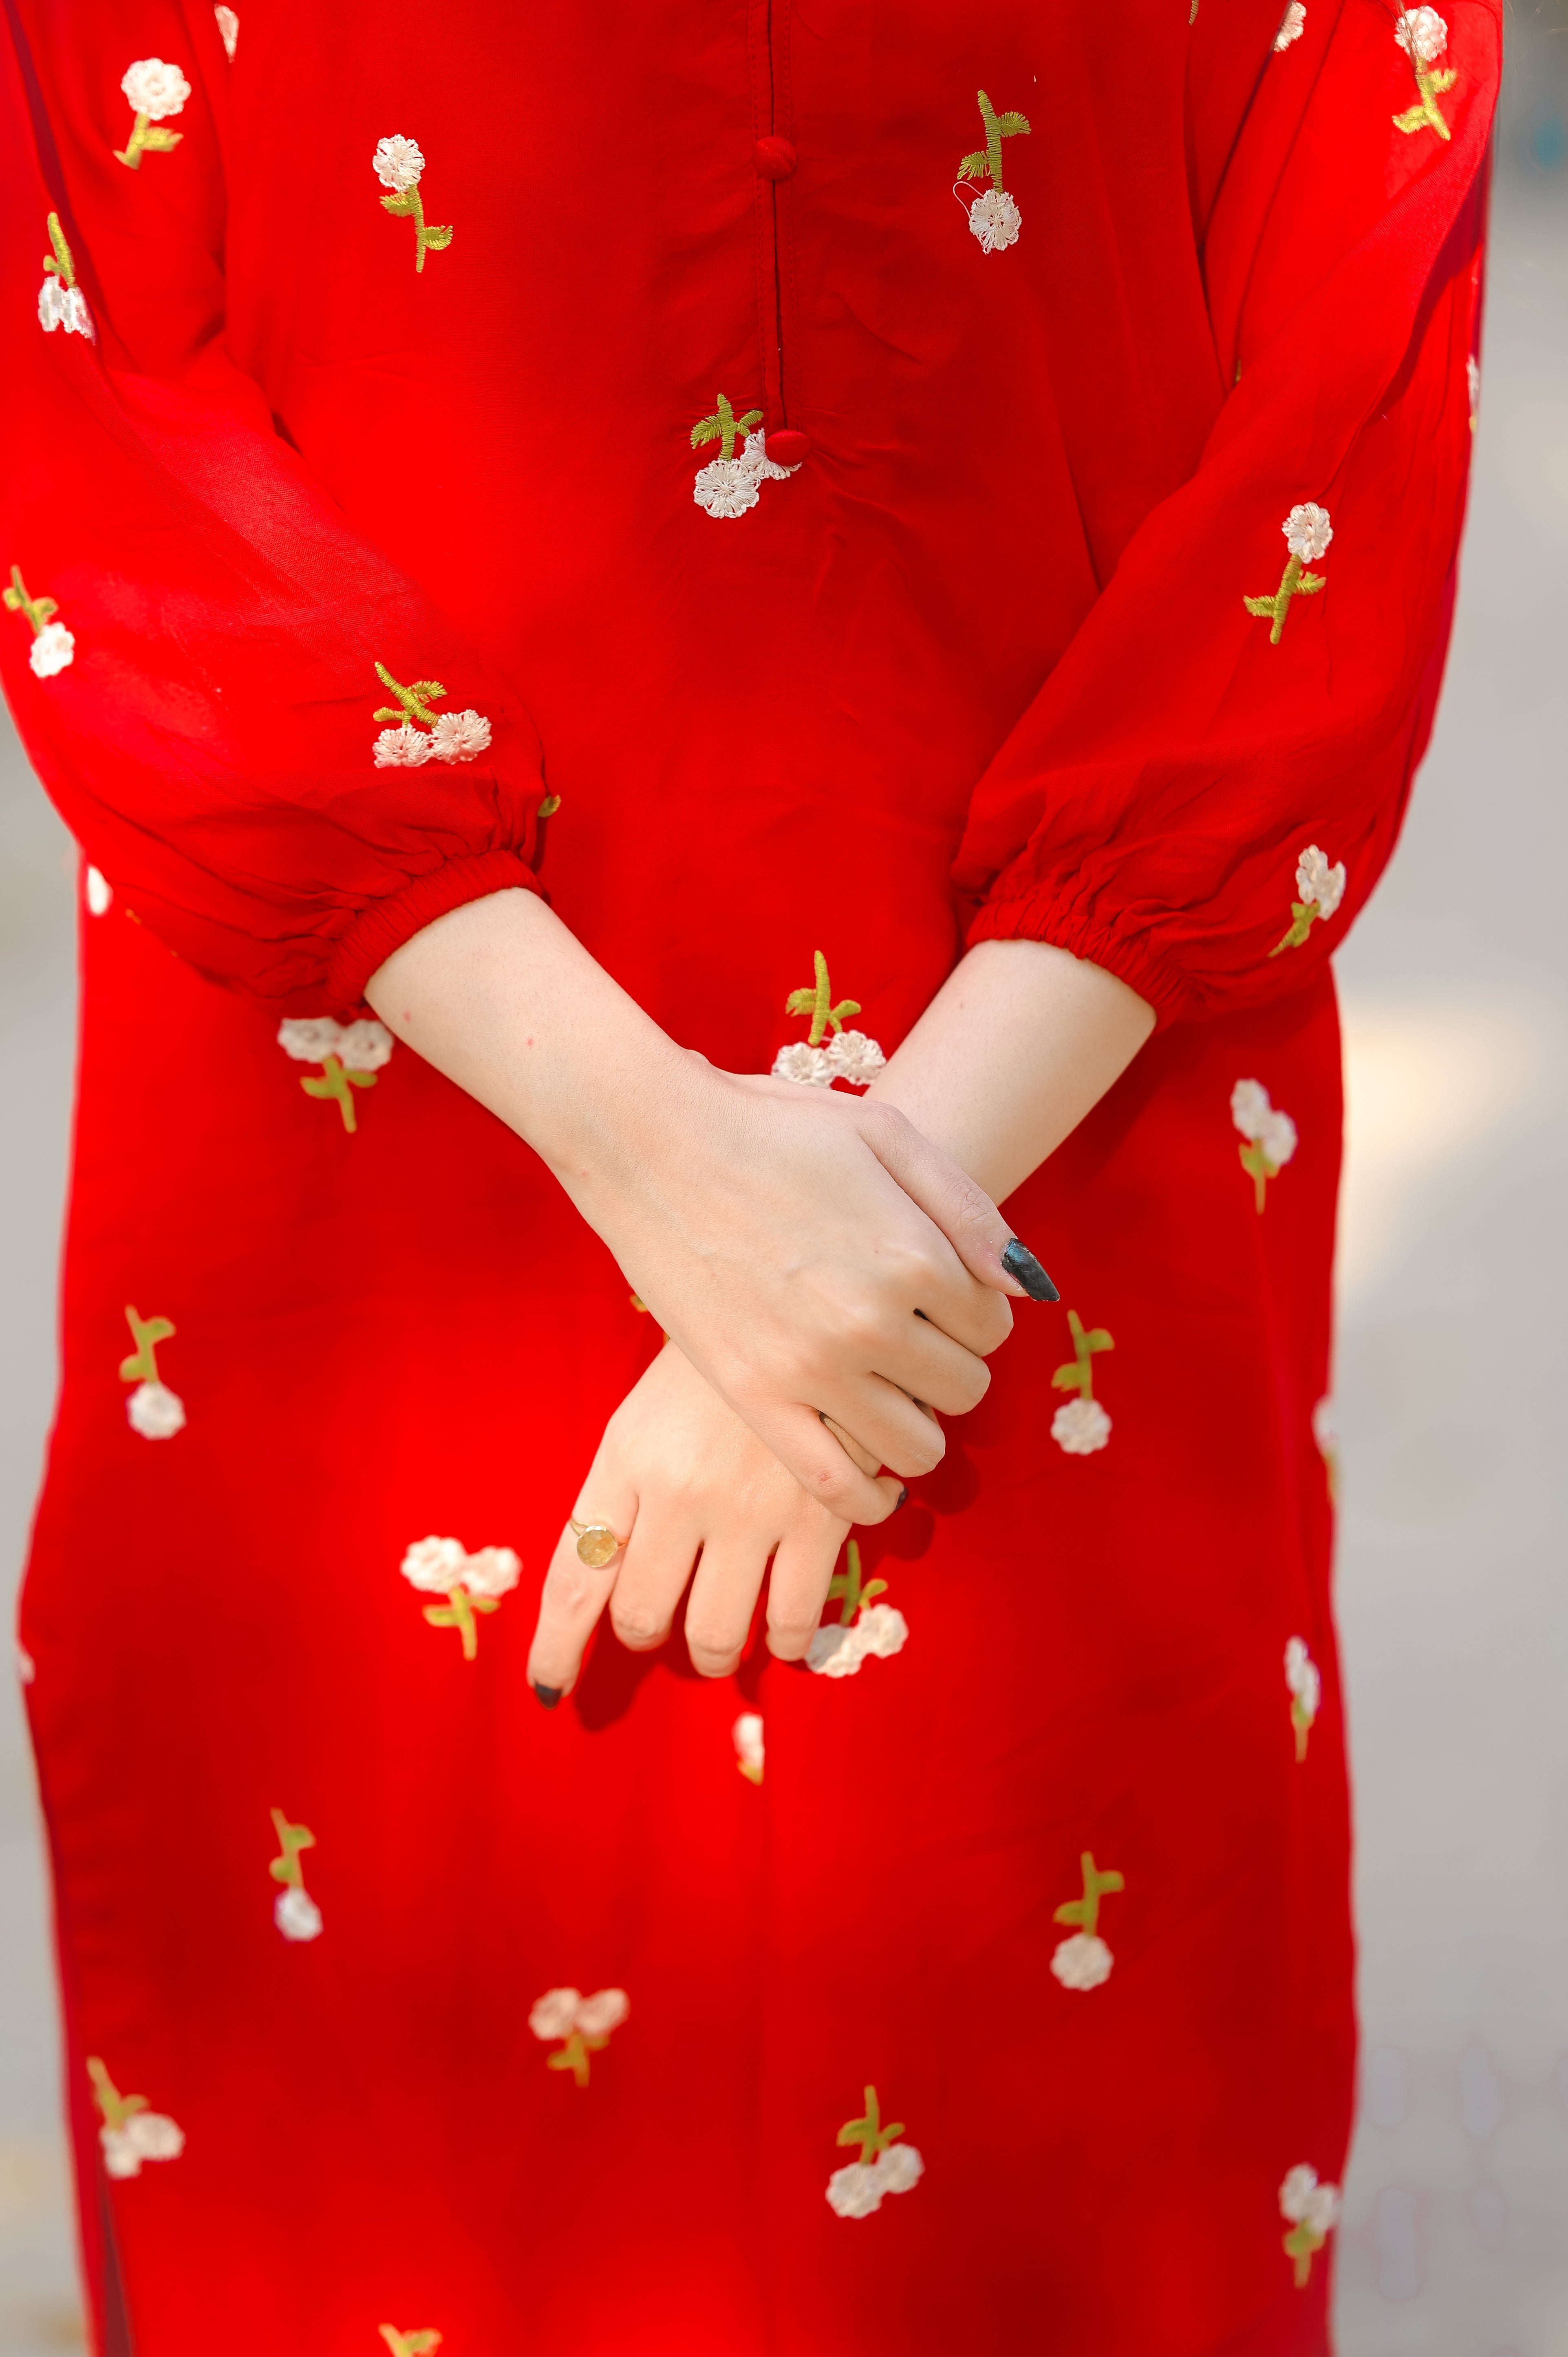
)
(899, 1499)
(1020, 1261)
(548, 1695)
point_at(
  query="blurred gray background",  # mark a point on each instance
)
(1452, 1393)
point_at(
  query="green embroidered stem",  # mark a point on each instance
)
(1428, 113)
(409, 2344)
(141, 1366)
(410, 206)
(1303, 915)
(292, 1839)
(1085, 1912)
(37, 609)
(723, 426)
(457, 1612)
(549, 806)
(337, 1083)
(855, 1593)
(1294, 583)
(1080, 1375)
(1256, 1163)
(116, 2108)
(985, 163)
(146, 138)
(869, 2132)
(816, 1002)
(61, 260)
(1302, 2244)
(1301, 1720)
(572, 2055)
(413, 702)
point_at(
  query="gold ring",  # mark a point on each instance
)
(596, 1544)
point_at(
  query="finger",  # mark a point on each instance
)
(965, 1213)
(723, 1600)
(931, 1367)
(655, 1568)
(867, 1458)
(802, 1441)
(797, 1585)
(902, 1431)
(575, 1593)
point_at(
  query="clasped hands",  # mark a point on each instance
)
(828, 1280)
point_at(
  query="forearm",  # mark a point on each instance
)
(1019, 1043)
(505, 1001)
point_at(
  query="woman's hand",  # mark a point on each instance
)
(814, 1255)
(684, 1480)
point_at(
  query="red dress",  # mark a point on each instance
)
(857, 506)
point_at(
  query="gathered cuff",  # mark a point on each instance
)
(386, 924)
(1041, 916)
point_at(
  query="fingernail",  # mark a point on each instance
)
(1020, 1261)
(548, 1695)
(899, 1499)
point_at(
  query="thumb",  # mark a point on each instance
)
(950, 1200)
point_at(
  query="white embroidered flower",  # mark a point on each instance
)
(1302, 2201)
(995, 220)
(1260, 1124)
(297, 1914)
(1422, 34)
(156, 90)
(860, 2189)
(145, 2136)
(726, 487)
(27, 1668)
(1080, 1428)
(560, 2011)
(434, 1566)
(100, 893)
(60, 306)
(229, 27)
(1317, 883)
(491, 1571)
(52, 649)
(1473, 380)
(404, 747)
(156, 1412)
(398, 162)
(362, 1046)
(754, 458)
(853, 1058)
(1250, 1107)
(1083, 1962)
(1304, 1678)
(460, 736)
(555, 2015)
(808, 1066)
(1293, 25)
(1324, 1427)
(879, 1631)
(437, 1566)
(1307, 532)
(749, 1752)
(603, 2012)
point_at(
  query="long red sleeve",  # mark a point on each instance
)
(211, 740)
(1150, 809)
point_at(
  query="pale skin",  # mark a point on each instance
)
(828, 1267)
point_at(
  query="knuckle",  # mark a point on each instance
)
(920, 1453)
(565, 1585)
(638, 1626)
(711, 1641)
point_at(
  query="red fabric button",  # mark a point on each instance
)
(774, 158)
(787, 447)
